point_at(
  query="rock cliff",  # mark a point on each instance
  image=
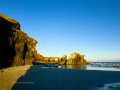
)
(16, 48)
(39, 57)
(76, 58)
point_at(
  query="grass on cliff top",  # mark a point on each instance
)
(8, 19)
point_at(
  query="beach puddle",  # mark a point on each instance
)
(74, 66)
(109, 86)
(93, 66)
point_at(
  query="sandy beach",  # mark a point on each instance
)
(34, 77)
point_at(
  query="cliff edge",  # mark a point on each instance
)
(16, 47)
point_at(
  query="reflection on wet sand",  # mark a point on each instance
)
(74, 66)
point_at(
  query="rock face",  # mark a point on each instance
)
(16, 48)
(64, 57)
(39, 57)
(76, 58)
(51, 59)
(59, 60)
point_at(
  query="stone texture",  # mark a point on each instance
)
(76, 58)
(39, 57)
(51, 59)
(16, 48)
(64, 58)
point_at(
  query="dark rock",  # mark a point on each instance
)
(16, 48)
(117, 66)
(111, 87)
(100, 85)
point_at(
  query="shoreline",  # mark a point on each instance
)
(55, 78)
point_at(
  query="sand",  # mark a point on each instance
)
(37, 78)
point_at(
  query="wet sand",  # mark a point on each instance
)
(37, 78)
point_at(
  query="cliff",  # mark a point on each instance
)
(39, 57)
(16, 47)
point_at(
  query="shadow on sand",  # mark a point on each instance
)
(38, 78)
(28, 82)
(3, 68)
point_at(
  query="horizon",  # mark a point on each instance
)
(91, 28)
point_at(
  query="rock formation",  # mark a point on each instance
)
(51, 59)
(64, 57)
(76, 58)
(16, 48)
(117, 66)
(59, 60)
(39, 57)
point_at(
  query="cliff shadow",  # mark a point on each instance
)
(3, 68)
(38, 78)
(6, 50)
(29, 81)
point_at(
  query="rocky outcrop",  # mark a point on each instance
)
(51, 59)
(39, 57)
(117, 66)
(76, 58)
(16, 48)
(64, 58)
(59, 60)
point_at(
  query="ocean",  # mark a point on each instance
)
(106, 66)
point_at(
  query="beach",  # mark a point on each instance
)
(34, 77)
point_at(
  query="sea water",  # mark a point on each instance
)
(107, 66)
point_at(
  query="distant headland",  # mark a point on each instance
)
(18, 49)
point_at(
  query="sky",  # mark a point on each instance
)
(88, 27)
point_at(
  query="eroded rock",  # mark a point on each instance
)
(76, 58)
(16, 48)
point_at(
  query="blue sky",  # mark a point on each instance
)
(88, 27)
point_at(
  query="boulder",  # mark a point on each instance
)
(16, 47)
